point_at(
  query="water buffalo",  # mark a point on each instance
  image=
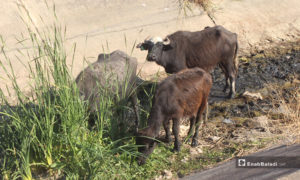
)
(113, 73)
(205, 49)
(180, 95)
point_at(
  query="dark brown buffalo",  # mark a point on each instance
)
(180, 95)
(205, 49)
(113, 73)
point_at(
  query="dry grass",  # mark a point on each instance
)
(202, 3)
(185, 6)
(286, 107)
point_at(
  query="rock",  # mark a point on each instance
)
(250, 95)
(167, 174)
(214, 138)
(228, 121)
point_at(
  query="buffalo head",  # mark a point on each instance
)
(155, 47)
(145, 145)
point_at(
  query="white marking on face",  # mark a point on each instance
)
(156, 40)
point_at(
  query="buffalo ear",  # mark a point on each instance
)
(142, 46)
(167, 47)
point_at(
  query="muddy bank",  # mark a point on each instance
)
(257, 74)
(275, 82)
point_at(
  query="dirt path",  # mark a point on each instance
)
(103, 25)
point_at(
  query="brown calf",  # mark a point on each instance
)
(180, 95)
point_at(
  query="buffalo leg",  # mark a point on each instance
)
(192, 128)
(232, 87)
(176, 134)
(198, 121)
(227, 84)
(227, 81)
(192, 125)
(206, 112)
(166, 125)
(134, 101)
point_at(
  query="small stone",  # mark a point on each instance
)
(228, 121)
(167, 174)
(251, 95)
(214, 138)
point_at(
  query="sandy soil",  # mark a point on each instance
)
(102, 25)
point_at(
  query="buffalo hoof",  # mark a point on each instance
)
(194, 143)
(176, 148)
(168, 139)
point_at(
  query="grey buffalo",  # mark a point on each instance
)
(113, 73)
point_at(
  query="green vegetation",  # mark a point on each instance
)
(46, 133)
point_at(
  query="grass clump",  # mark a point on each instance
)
(186, 6)
(46, 134)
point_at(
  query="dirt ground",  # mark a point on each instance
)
(269, 110)
(98, 26)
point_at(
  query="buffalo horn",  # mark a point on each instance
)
(166, 41)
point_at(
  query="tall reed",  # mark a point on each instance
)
(46, 132)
